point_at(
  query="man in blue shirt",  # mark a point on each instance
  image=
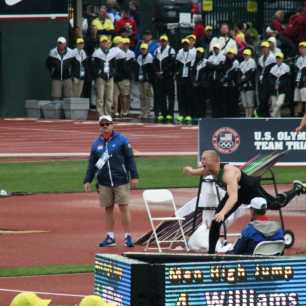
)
(112, 162)
(258, 230)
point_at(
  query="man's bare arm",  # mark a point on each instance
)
(194, 171)
(302, 124)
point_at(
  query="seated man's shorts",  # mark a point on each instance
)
(109, 196)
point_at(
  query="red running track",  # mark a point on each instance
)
(27, 137)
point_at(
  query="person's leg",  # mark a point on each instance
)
(109, 219)
(170, 95)
(106, 198)
(56, 89)
(276, 111)
(148, 94)
(122, 197)
(109, 94)
(125, 217)
(124, 87)
(100, 96)
(67, 88)
(116, 99)
(282, 199)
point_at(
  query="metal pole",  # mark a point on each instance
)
(78, 13)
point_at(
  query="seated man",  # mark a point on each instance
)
(258, 230)
(240, 188)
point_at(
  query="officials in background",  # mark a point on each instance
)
(79, 68)
(164, 72)
(59, 64)
(103, 67)
(185, 61)
(144, 75)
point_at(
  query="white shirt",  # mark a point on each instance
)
(225, 43)
(247, 64)
(279, 70)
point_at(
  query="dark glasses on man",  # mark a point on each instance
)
(105, 124)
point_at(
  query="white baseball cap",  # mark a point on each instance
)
(62, 40)
(107, 118)
(258, 203)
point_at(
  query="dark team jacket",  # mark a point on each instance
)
(125, 65)
(264, 66)
(185, 60)
(120, 165)
(279, 79)
(229, 74)
(216, 68)
(144, 68)
(201, 73)
(164, 62)
(60, 65)
(300, 73)
(80, 66)
(103, 64)
(247, 75)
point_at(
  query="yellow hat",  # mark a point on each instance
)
(265, 44)
(185, 40)
(92, 300)
(231, 50)
(247, 52)
(126, 40)
(117, 40)
(144, 46)
(28, 299)
(200, 49)
(80, 41)
(208, 28)
(302, 44)
(104, 38)
(192, 36)
(280, 55)
(164, 37)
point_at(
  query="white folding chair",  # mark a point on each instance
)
(158, 196)
(270, 248)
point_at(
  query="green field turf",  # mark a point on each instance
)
(67, 176)
(46, 270)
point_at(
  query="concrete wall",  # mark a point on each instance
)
(24, 46)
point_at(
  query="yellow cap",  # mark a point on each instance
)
(231, 50)
(247, 52)
(280, 55)
(28, 299)
(164, 37)
(117, 40)
(103, 38)
(144, 46)
(92, 300)
(185, 40)
(192, 36)
(302, 44)
(208, 28)
(80, 41)
(200, 49)
(126, 40)
(265, 44)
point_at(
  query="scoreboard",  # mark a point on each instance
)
(140, 279)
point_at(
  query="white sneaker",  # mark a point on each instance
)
(299, 186)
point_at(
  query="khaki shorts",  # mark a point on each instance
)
(300, 94)
(109, 196)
